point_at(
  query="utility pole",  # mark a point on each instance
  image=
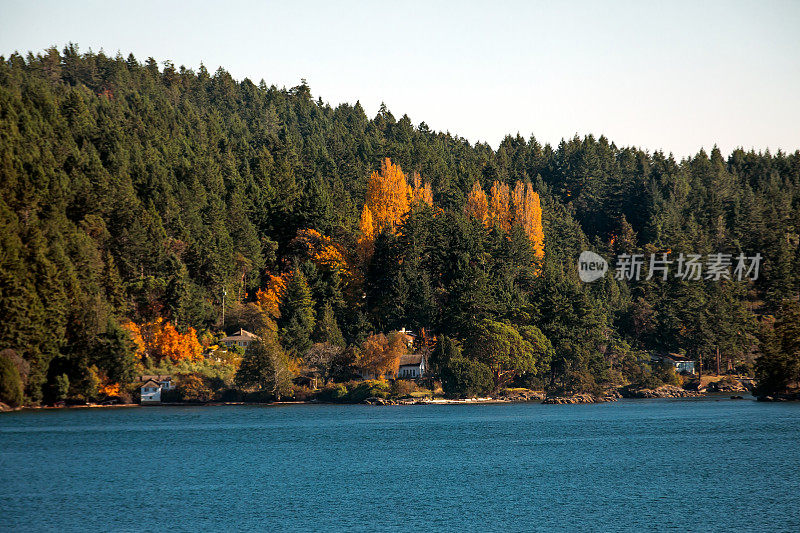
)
(224, 292)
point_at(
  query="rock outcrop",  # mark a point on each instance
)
(374, 400)
(664, 391)
(727, 385)
(524, 396)
(575, 398)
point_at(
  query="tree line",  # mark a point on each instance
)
(136, 197)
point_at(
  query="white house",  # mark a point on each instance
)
(412, 366)
(152, 386)
(241, 338)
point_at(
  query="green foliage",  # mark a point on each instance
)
(298, 315)
(192, 388)
(61, 387)
(778, 367)
(10, 383)
(368, 389)
(462, 377)
(328, 329)
(658, 374)
(265, 367)
(504, 351)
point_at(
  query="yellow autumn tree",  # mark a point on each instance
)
(389, 199)
(534, 228)
(518, 204)
(387, 196)
(311, 245)
(380, 354)
(421, 193)
(507, 207)
(366, 241)
(499, 206)
(477, 205)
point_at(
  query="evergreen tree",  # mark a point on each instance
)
(297, 315)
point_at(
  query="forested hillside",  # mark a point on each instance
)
(133, 197)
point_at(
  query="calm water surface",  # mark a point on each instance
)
(718, 465)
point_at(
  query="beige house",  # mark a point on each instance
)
(242, 338)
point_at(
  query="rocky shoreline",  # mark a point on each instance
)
(515, 396)
(665, 391)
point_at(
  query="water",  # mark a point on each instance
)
(679, 465)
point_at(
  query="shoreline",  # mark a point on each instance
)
(555, 400)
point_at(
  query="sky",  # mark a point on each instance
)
(673, 76)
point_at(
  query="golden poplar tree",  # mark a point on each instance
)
(387, 196)
(366, 241)
(534, 228)
(389, 199)
(518, 203)
(499, 206)
(421, 192)
(508, 207)
(477, 205)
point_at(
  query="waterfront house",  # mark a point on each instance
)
(680, 363)
(242, 338)
(151, 387)
(412, 366)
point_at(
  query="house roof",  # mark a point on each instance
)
(676, 357)
(151, 383)
(155, 378)
(241, 335)
(411, 359)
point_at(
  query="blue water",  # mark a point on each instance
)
(718, 465)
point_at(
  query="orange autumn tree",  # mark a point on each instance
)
(500, 206)
(135, 333)
(269, 298)
(389, 199)
(380, 354)
(159, 340)
(477, 205)
(311, 245)
(533, 227)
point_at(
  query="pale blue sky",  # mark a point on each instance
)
(674, 76)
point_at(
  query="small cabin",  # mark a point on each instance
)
(242, 338)
(680, 363)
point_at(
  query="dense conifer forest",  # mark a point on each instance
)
(136, 198)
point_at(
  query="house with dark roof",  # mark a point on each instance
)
(412, 366)
(680, 363)
(242, 338)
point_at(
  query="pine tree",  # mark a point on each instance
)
(328, 329)
(297, 315)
